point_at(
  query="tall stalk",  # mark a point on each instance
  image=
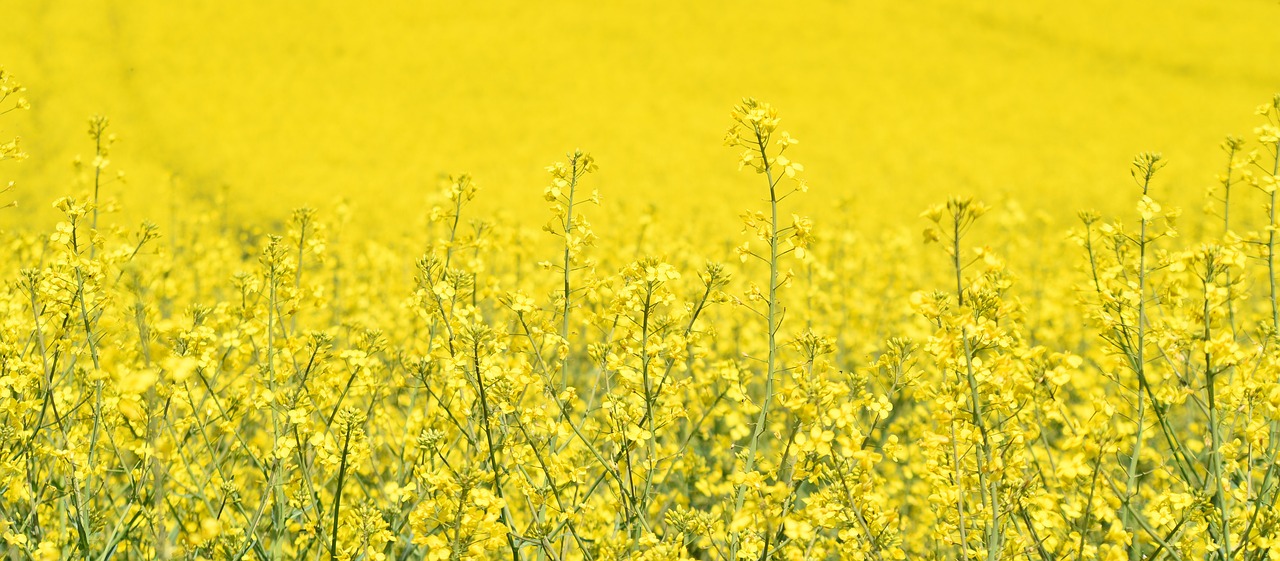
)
(1145, 167)
(771, 318)
(1215, 433)
(755, 131)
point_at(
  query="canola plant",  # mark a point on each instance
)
(985, 384)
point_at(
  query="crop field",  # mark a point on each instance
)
(563, 281)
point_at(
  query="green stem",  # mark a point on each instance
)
(337, 496)
(772, 318)
(493, 458)
(1215, 437)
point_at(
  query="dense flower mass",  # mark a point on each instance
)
(793, 390)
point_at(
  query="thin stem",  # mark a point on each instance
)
(1215, 436)
(493, 458)
(772, 320)
(566, 268)
(337, 496)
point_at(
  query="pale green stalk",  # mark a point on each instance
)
(771, 318)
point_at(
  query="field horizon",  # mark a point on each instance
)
(899, 105)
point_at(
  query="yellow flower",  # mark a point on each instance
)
(1148, 208)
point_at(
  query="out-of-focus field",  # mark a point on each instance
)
(287, 103)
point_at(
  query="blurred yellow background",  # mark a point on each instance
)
(897, 104)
